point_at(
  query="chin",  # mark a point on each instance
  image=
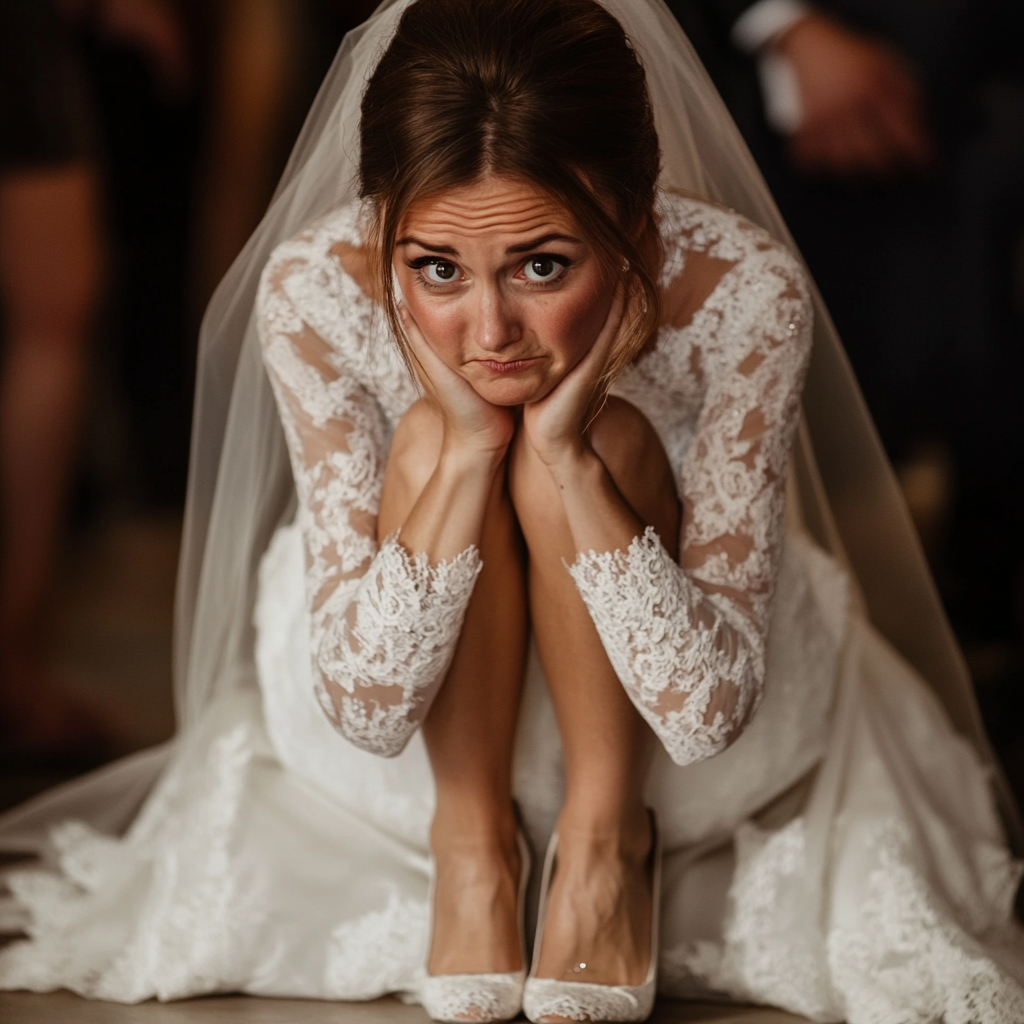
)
(510, 392)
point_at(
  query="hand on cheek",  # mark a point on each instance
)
(470, 422)
(556, 426)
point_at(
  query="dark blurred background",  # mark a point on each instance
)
(140, 141)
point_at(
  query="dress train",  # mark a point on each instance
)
(874, 887)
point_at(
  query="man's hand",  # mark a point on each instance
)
(862, 106)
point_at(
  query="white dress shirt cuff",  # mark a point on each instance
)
(760, 23)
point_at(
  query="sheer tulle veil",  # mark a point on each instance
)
(240, 486)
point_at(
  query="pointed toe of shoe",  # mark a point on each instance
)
(477, 998)
(546, 999)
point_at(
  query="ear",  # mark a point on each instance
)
(642, 227)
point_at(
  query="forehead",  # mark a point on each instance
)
(492, 207)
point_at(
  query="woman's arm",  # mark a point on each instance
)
(688, 639)
(385, 619)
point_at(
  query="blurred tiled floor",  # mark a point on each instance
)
(67, 1009)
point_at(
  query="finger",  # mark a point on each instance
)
(610, 332)
(591, 366)
(413, 333)
(820, 149)
(897, 103)
(423, 355)
(894, 81)
(805, 148)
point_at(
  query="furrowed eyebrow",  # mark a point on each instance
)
(536, 243)
(446, 250)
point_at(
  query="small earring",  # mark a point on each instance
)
(625, 265)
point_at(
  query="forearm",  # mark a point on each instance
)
(448, 516)
(384, 655)
(693, 674)
(599, 516)
(692, 666)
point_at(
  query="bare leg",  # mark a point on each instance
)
(49, 273)
(599, 905)
(470, 729)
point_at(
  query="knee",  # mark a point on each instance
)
(414, 453)
(416, 446)
(635, 458)
(632, 453)
(625, 441)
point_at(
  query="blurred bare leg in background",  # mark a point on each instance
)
(50, 275)
(270, 57)
(250, 129)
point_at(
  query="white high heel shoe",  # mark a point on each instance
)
(480, 998)
(586, 1001)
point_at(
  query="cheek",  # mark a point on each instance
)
(440, 323)
(572, 322)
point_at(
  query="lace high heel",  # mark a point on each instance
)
(587, 1001)
(477, 998)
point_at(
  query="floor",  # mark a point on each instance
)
(68, 1009)
(109, 636)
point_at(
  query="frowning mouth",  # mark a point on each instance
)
(511, 366)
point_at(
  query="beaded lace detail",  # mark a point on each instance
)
(693, 674)
(721, 388)
(384, 659)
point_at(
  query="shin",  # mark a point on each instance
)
(470, 729)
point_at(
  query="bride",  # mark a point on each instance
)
(555, 544)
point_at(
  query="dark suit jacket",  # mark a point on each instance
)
(882, 253)
(950, 43)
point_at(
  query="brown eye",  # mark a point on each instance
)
(541, 269)
(441, 272)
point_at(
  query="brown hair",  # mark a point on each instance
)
(549, 91)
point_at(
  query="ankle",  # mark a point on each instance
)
(626, 835)
(474, 826)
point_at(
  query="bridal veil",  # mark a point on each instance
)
(240, 486)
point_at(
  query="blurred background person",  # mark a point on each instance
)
(269, 57)
(891, 133)
(141, 141)
(50, 279)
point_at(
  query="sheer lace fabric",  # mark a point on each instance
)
(688, 642)
(384, 623)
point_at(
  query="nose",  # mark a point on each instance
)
(497, 322)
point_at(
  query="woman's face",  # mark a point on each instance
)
(501, 286)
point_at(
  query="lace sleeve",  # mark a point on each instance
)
(384, 624)
(688, 640)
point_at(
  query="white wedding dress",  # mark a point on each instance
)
(842, 859)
